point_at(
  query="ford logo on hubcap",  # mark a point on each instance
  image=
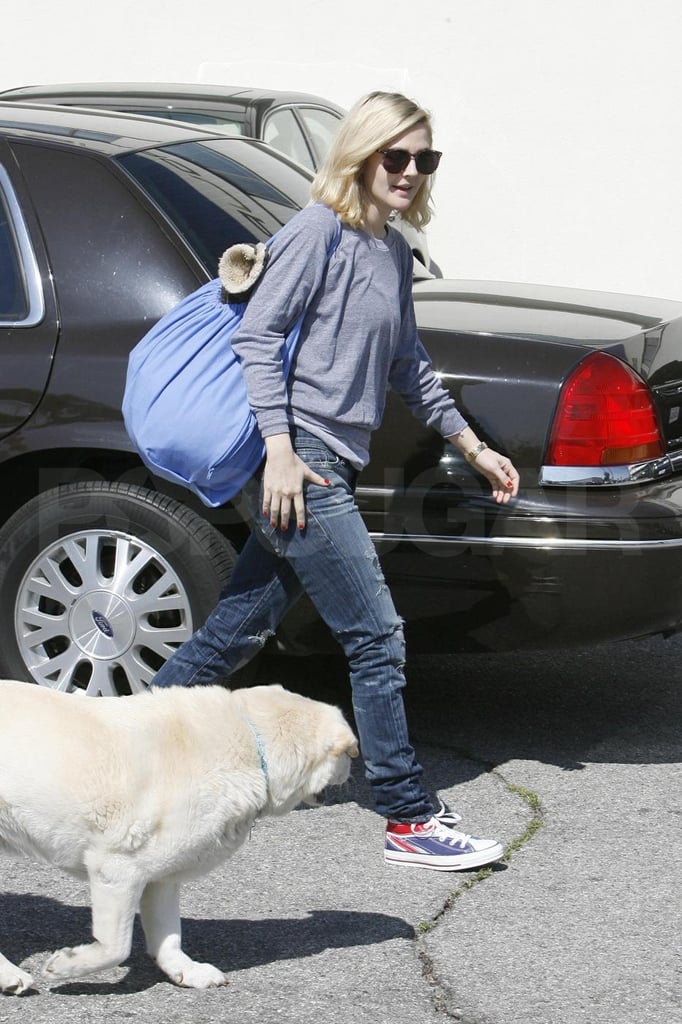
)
(102, 624)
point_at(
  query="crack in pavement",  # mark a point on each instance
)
(438, 993)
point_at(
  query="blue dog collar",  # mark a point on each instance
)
(260, 748)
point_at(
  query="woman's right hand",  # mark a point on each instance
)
(283, 478)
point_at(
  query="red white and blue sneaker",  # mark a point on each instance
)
(431, 844)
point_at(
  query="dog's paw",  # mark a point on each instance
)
(14, 981)
(65, 963)
(196, 975)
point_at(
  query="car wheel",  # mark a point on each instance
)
(100, 583)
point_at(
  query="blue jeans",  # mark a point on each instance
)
(334, 561)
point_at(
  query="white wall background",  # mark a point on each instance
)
(560, 119)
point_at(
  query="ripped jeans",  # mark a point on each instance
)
(334, 561)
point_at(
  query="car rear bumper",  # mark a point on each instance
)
(592, 571)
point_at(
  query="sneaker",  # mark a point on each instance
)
(445, 816)
(430, 844)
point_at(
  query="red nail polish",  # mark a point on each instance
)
(327, 482)
(509, 483)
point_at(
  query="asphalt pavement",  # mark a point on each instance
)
(572, 760)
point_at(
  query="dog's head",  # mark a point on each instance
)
(307, 744)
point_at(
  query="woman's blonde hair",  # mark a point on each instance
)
(372, 123)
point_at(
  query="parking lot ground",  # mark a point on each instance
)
(575, 763)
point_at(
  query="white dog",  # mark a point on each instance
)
(137, 794)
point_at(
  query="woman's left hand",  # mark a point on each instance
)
(500, 472)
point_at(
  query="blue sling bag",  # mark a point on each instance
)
(185, 405)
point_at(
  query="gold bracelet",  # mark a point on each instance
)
(475, 452)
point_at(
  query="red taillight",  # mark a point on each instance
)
(606, 417)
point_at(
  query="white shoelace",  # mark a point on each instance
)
(448, 835)
(445, 816)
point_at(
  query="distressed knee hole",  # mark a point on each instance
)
(373, 558)
(395, 643)
(386, 648)
(259, 640)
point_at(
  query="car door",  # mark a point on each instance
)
(28, 314)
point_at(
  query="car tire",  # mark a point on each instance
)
(100, 583)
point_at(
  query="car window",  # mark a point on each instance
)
(216, 122)
(21, 301)
(282, 131)
(321, 126)
(229, 201)
(13, 303)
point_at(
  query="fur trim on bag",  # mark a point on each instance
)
(239, 269)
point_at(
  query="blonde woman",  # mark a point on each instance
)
(359, 336)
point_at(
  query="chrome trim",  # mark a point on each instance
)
(378, 492)
(538, 543)
(29, 264)
(608, 476)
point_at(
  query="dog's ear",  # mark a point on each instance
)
(346, 743)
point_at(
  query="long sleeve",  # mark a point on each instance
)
(412, 375)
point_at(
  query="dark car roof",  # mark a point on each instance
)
(102, 130)
(171, 90)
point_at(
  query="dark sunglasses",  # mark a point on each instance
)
(396, 160)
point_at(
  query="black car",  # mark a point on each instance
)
(105, 222)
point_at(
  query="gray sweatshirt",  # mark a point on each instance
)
(358, 338)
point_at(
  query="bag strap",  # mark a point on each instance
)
(331, 249)
(334, 244)
(292, 337)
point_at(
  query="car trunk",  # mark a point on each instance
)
(645, 332)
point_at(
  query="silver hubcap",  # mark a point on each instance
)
(102, 625)
(99, 613)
